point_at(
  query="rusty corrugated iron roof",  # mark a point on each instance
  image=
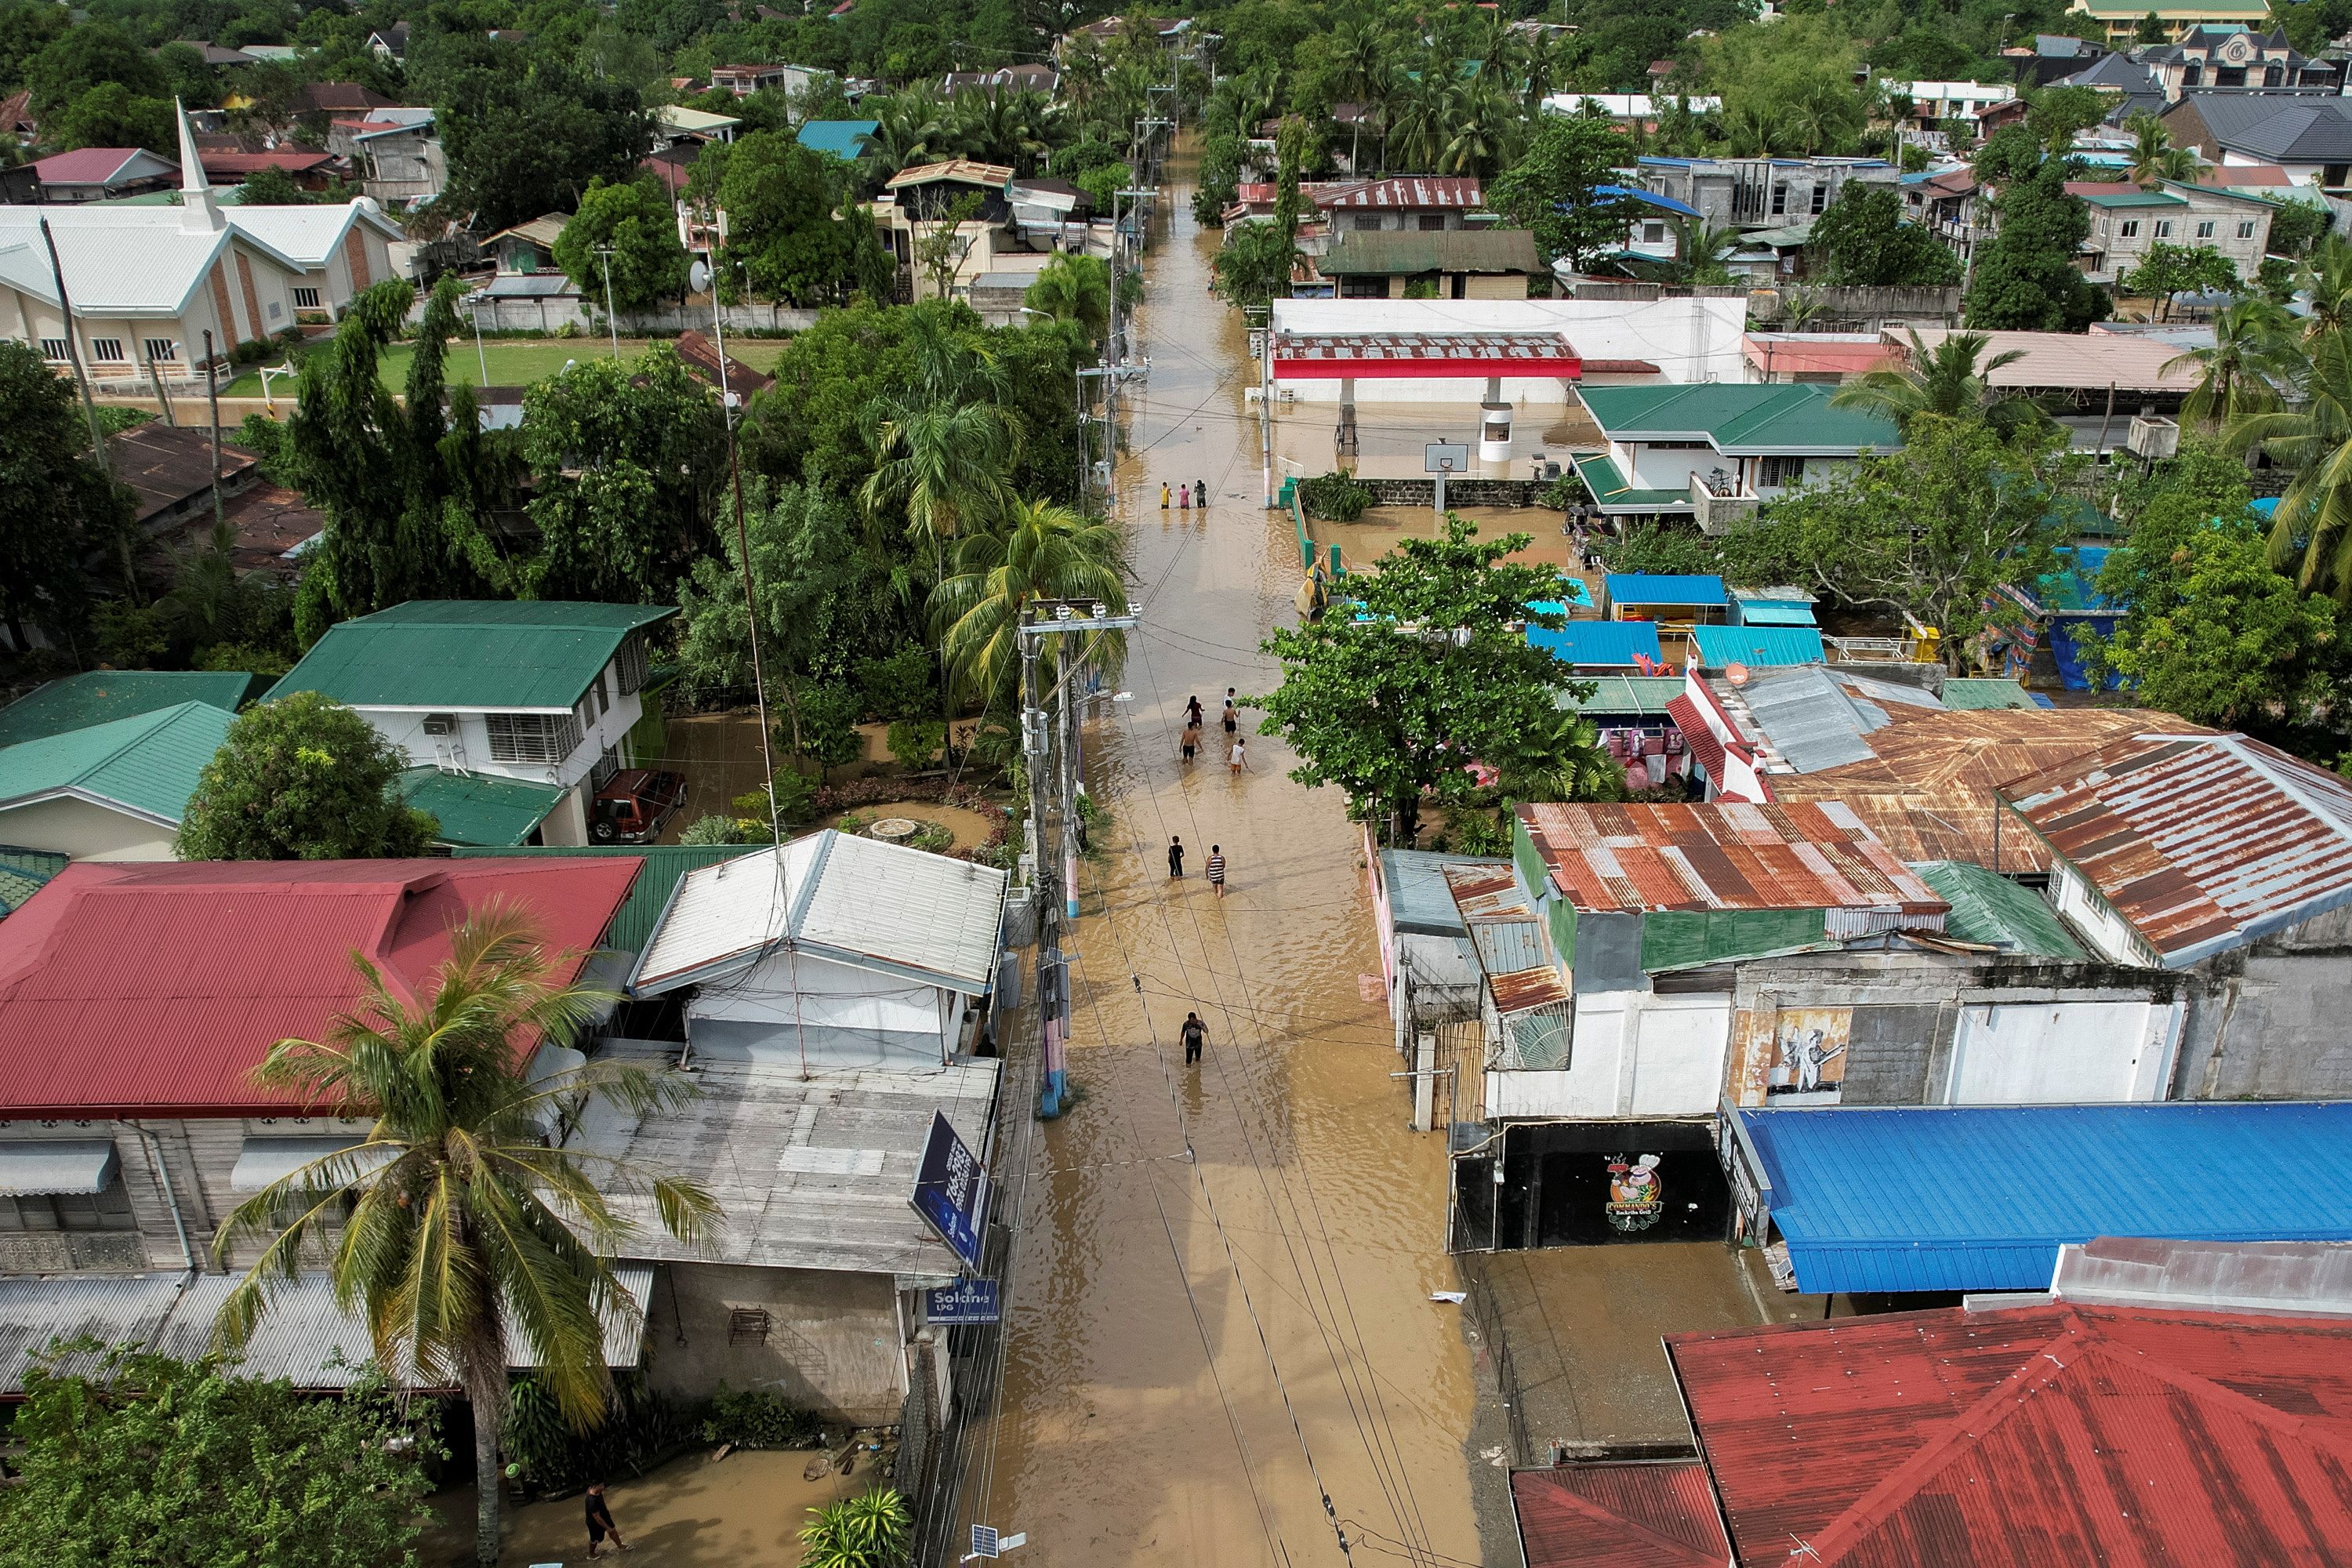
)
(1659, 1513)
(1525, 988)
(1723, 855)
(1925, 791)
(2203, 842)
(2041, 1437)
(1487, 893)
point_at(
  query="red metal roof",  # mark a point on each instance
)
(2050, 1436)
(1390, 355)
(1723, 855)
(2203, 842)
(1403, 191)
(153, 990)
(1617, 1515)
(85, 165)
(1706, 746)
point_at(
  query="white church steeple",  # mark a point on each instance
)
(199, 212)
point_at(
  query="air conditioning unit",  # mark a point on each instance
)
(440, 724)
(2152, 437)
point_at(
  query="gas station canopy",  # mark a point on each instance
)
(1319, 356)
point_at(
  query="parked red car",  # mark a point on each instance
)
(634, 805)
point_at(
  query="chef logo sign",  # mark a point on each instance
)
(952, 1191)
(1636, 1195)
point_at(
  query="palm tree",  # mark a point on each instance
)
(464, 1240)
(945, 444)
(1484, 130)
(2252, 355)
(2327, 277)
(2154, 157)
(1420, 122)
(1703, 250)
(908, 130)
(1559, 760)
(1945, 380)
(2312, 529)
(1044, 551)
(1073, 287)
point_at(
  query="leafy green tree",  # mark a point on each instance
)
(1042, 551)
(521, 142)
(870, 1531)
(633, 220)
(1930, 531)
(405, 489)
(2025, 276)
(2296, 225)
(1951, 380)
(1434, 670)
(301, 778)
(1867, 244)
(1788, 87)
(629, 455)
(26, 28)
(1553, 190)
(809, 584)
(270, 187)
(148, 1460)
(1254, 265)
(56, 505)
(2210, 630)
(187, 77)
(472, 1234)
(112, 115)
(2169, 269)
(784, 241)
(2056, 114)
(95, 54)
(944, 443)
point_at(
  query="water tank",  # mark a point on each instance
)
(1494, 433)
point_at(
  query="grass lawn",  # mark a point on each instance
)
(512, 362)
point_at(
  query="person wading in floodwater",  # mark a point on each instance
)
(1196, 1035)
(1176, 859)
(1217, 868)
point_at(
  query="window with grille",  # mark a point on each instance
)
(161, 349)
(1820, 200)
(56, 349)
(1367, 222)
(606, 766)
(533, 737)
(107, 1210)
(306, 299)
(1654, 234)
(108, 350)
(629, 664)
(1780, 198)
(2205, 230)
(1432, 223)
(1776, 471)
(604, 698)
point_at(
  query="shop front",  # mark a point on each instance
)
(1585, 1184)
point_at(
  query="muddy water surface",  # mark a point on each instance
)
(1220, 1305)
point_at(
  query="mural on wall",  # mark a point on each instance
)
(1791, 1056)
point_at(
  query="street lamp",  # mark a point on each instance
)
(604, 254)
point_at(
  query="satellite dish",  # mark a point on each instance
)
(1735, 673)
(699, 276)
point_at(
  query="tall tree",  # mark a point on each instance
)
(2311, 531)
(629, 455)
(1951, 380)
(2025, 276)
(1554, 190)
(2155, 158)
(1433, 670)
(1075, 287)
(301, 778)
(2252, 356)
(632, 221)
(530, 140)
(1867, 244)
(463, 1233)
(945, 442)
(788, 238)
(1042, 551)
(56, 505)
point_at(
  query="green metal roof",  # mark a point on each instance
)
(1740, 420)
(2131, 199)
(1692, 938)
(148, 763)
(1611, 491)
(469, 653)
(78, 702)
(479, 808)
(24, 872)
(1978, 691)
(1646, 695)
(2201, 10)
(633, 926)
(1388, 253)
(1988, 907)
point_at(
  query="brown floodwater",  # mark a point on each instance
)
(1202, 1345)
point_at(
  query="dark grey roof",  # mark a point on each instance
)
(2285, 130)
(2116, 72)
(2058, 45)
(2152, 101)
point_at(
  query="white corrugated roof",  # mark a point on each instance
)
(118, 261)
(857, 900)
(112, 1309)
(307, 233)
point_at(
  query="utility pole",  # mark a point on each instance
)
(73, 353)
(1055, 829)
(604, 254)
(212, 398)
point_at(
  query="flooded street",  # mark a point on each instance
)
(1201, 1349)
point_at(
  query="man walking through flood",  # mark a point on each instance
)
(1196, 1035)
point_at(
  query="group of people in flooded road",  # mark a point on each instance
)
(1187, 496)
(1236, 746)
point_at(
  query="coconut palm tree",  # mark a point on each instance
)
(908, 130)
(1073, 287)
(1945, 380)
(1421, 121)
(2252, 356)
(1485, 128)
(1044, 551)
(2154, 156)
(2311, 532)
(454, 1230)
(946, 442)
(1703, 250)
(2327, 277)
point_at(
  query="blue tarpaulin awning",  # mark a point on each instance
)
(1981, 1197)
(1600, 645)
(1761, 646)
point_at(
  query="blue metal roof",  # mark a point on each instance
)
(1980, 1197)
(1772, 612)
(1756, 645)
(1607, 645)
(1662, 588)
(1647, 198)
(1419, 900)
(843, 138)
